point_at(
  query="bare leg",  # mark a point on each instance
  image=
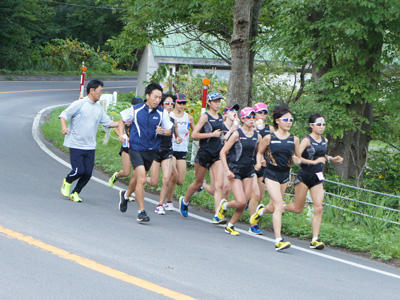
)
(242, 191)
(275, 193)
(301, 193)
(154, 174)
(139, 190)
(218, 174)
(317, 195)
(200, 173)
(166, 176)
(255, 198)
(126, 165)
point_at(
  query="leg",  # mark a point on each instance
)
(154, 174)
(200, 173)
(275, 193)
(255, 198)
(139, 189)
(126, 165)
(77, 165)
(166, 176)
(88, 164)
(210, 187)
(317, 195)
(218, 174)
(239, 192)
(301, 193)
(173, 181)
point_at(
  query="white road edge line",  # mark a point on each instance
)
(36, 137)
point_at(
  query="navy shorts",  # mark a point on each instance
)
(279, 176)
(162, 155)
(309, 179)
(179, 155)
(124, 149)
(142, 158)
(242, 172)
(206, 159)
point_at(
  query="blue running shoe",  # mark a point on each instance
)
(183, 208)
(216, 220)
(255, 230)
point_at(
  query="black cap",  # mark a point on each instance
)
(180, 97)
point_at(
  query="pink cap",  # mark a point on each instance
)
(260, 106)
(247, 111)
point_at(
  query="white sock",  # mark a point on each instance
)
(139, 211)
(277, 240)
(224, 206)
(185, 202)
(126, 195)
(314, 239)
(261, 212)
(230, 224)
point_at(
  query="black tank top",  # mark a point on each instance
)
(243, 151)
(166, 140)
(279, 153)
(265, 131)
(312, 152)
(214, 144)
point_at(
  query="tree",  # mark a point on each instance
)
(344, 44)
(228, 22)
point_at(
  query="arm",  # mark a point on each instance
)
(225, 149)
(261, 147)
(336, 159)
(166, 125)
(296, 157)
(196, 131)
(303, 145)
(64, 128)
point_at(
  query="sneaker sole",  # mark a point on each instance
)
(259, 233)
(231, 233)
(121, 200)
(319, 247)
(143, 220)
(283, 247)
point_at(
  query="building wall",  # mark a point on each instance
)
(147, 66)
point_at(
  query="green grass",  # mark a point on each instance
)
(379, 240)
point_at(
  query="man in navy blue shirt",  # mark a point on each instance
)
(149, 122)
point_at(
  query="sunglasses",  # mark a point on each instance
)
(181, 102)
(287, 119)
(249, 117)
(319, 124)
(168, 103)
(264, 112)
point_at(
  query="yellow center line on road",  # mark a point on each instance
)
(93, 265)
(60, 90)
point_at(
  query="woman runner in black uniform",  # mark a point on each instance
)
(208, 130)
(312, 152)
(281, 148)
(237, 156)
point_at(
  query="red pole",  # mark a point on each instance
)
(82, 85)
(206, 83)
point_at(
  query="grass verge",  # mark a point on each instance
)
(372, 237)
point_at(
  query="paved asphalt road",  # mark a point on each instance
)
(110, 256)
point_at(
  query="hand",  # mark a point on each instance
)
(337, 159)
(121, 139)
(159, 130)
(230, 175)
(257, 166)
(319, 160)
(178, 140)
(216, 133)
(263, 163)
(64, 131)
(296, 160)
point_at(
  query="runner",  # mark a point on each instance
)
(163, 158)
(261, 110)
(149, 123)
(124, 151)
(241, 149)
(282, 144)
(180, 144)
(85, 115)
(312, 152)
(208, 130)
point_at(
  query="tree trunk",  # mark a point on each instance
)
(245, 22)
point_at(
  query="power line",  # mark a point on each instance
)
(84, 6)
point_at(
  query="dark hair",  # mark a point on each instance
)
(136, 100)
(279, 111)
(313, 118)
(94, 83)
(151, 87)
(165, 96)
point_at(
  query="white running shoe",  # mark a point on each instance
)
(159, 210)
(169, 206)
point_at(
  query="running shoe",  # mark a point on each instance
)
(123, 202)
(143, 217)
(221, 210)
(217, 220)
(183, 208)
(159, 209)
(113, 179)
(317, 244)
(65, 188)
(75, 197)
(255, 229)
(231, 230)
(282, 245)
(132, 197)
(255, 218)
(169, 206)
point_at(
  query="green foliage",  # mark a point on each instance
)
(68, 55)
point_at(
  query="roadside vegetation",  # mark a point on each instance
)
(378, 239)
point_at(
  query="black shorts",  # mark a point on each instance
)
(260, 173)
(179, 155)
(309, 179)
(124, 149)
(279, 176)
(142, 158)
(206, 159)
(162, 155)
(242, 172)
